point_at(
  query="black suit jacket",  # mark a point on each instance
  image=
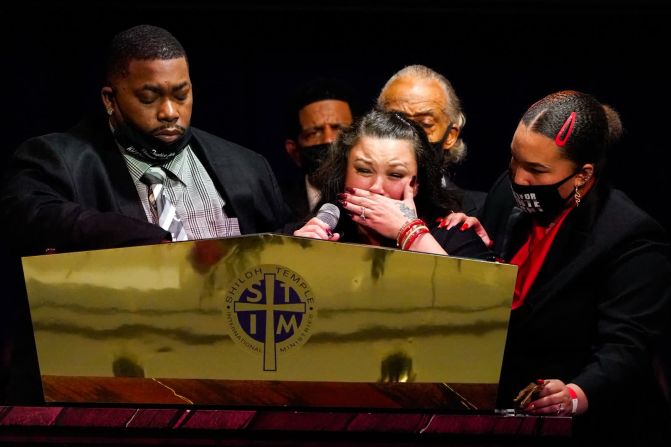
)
(72, 191)
(594, 311)
(471, 201)
(295, 195)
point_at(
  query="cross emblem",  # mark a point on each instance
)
(270, 306)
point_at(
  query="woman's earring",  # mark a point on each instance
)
(110, 112)
(577, 196)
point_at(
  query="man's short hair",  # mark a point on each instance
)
(319, 89)
(141, 42)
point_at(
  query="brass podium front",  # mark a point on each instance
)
(266, 310)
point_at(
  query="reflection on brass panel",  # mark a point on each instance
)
(269, 308)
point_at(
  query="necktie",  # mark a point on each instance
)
(155, 178)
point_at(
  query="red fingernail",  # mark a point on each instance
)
(329, 233)
(464, 227)
(342, 196)
(540, 382)
(349, 190)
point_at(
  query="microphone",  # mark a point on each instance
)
(329, 214)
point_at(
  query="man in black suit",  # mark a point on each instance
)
(316, 113)
(84, 189)
(87, 189)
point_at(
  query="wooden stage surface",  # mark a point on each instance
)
(100, 425)
(145, 412)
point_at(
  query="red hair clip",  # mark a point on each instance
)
(570, 121)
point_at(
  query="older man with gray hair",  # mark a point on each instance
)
(428, 98)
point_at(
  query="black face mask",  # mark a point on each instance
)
(438, 147)
(312, 157)
(539, 200)
(147, 147)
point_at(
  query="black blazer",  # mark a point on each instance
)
(72, 191)
(295, 195)
(594, 312)
(471, 201)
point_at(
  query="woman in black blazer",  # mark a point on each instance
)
(594, 276)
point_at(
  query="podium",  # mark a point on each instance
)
(269, 320)
(269, 340)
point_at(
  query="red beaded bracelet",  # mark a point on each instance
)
(406, 229)
(414, 234)
(574, 400)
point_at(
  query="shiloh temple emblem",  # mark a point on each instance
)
(270, 310)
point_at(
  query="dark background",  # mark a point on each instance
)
(246, 56)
